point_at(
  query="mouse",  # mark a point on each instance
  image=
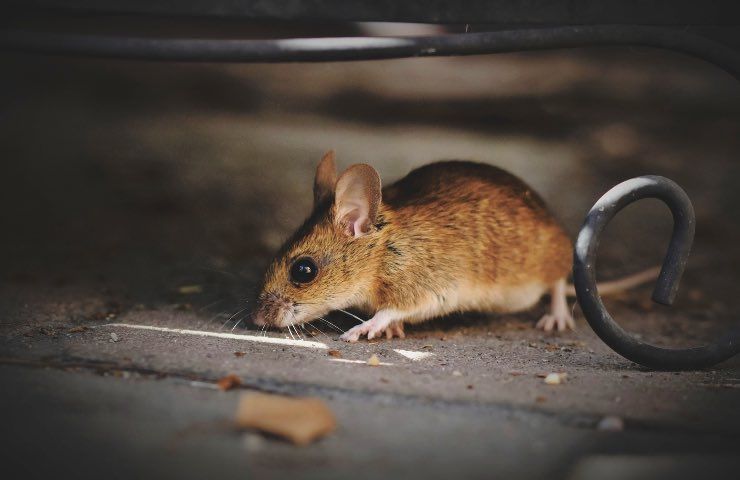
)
(451, 236)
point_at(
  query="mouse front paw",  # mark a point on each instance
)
(381, 322)
(354, 333)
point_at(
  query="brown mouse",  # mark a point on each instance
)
(451, 236)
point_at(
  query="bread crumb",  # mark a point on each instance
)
(373, 361)
(298, 420)
(555, 378)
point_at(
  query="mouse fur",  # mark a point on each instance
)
(451, 236)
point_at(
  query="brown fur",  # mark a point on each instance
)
(442, 237)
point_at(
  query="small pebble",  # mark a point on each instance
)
(457, 373)
(610, 424)
(113, 338)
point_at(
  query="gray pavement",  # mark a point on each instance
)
(122, 182)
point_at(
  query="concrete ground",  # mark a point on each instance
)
(143, 194)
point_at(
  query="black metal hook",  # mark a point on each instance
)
(584, 276)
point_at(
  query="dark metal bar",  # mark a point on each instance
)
(367, 48)
(584, 276)
(568, 12)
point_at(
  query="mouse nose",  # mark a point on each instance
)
(258, 319)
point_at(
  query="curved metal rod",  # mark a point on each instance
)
(369, 48)
(584, 276)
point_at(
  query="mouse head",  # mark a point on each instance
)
(330, 262)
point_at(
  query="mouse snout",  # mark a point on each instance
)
(271, 311)
(258, 319)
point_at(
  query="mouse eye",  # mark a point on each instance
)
(303, 270)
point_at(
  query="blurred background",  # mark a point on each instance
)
(138, 171)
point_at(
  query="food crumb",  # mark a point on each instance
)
(334, 353)
(239, 354)
(457, 373)
(555, 378)
(373, 361)
(298, 420)
(228, 382)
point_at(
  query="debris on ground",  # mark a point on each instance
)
(78, 329)
(189, 289)
(239, 354)
(334, 353)
(555, 378)
(228, 382)
(373, 361)
(113, 338)
(610, 423)
(298, 420)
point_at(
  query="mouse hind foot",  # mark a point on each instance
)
(559, 317)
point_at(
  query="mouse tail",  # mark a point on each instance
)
(621, 284)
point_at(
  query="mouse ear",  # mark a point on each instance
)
(326, 178)
(357, 199)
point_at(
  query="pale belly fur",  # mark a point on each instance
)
(481, 297)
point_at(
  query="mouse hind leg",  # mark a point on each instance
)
(559, 317)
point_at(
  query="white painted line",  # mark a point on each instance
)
(344, 360)
(233, 336)
(413, 355)
(210, 386)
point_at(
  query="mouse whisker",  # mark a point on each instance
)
(232, 317)
(295, 324)
(296, 332)
(308, 332)
(211, 319)
(212, 304)
(351, 315)
(318, 330)
(331, 324)
(291, 328)
(237, 323)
